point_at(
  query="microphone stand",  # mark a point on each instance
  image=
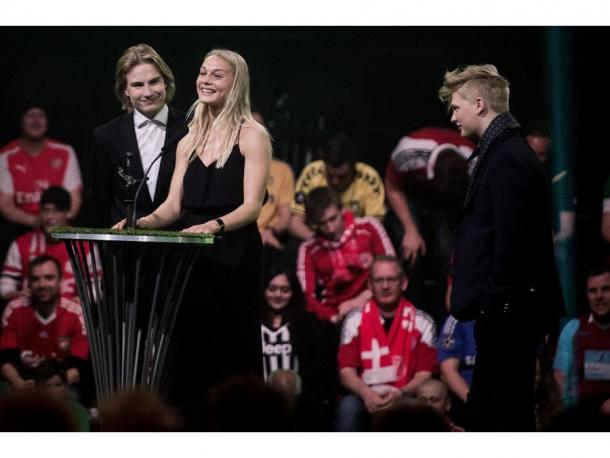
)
(173, 141)
(131, 217)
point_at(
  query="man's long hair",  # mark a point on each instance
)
(136, 55)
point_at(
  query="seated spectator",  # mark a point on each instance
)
(55, 207)
(274, 217)
(548, 397)
(36, 411)
(584, 418)
(582, 360)
(31, 164)
(387, 348)
(409, 415)
(139, 411)
(606, 211)
(358, 184)
(289, 383)
(50, 377)
(425, 181)
(456, 357)
(295, 340)
(41, 326)
(339, 257)
(435, 393)
(247, 404)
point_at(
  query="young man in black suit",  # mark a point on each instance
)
(144, 85)
(504, 273)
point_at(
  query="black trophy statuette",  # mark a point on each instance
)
(130, 185)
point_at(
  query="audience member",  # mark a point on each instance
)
(425, 179)
(358, 184)
(582, 360)
(456, 357)
(274, 218)
(539, 139)
(41, 326)
(387, 348)
(409, 415)
(31, 164)
(139, 411)
(339, 256)
(548, 397)
(435, 393)
(247, 404)
(55, 207)
(295, 340)
(425, 182)
(289, 383)
(144, 85)
(606, 211)
(50, 377)
(36, 411)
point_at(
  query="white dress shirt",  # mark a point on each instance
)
(150, 134)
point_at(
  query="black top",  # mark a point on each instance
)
(212, 192)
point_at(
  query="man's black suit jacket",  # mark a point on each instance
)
(112, 141)
(503, 241)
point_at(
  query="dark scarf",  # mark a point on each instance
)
(498, 128)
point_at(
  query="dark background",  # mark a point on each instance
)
(378, 83)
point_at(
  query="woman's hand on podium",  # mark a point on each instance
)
(120, 225)
(140, 223)
(208, 228)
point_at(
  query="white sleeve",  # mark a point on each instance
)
(6, 180)
(72, 177)
(11, 278)
(426, 326)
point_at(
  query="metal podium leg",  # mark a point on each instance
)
(128, 335)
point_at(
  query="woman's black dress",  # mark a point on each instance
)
(218, 329)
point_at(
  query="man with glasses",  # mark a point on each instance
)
(333, 267)
(387, 348)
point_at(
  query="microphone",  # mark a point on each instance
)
(171, 143)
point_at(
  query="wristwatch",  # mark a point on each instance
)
(221, 225)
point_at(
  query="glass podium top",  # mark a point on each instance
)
(130, 235)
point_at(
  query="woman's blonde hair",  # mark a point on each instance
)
(222, 133)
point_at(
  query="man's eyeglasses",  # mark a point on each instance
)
(379, 281)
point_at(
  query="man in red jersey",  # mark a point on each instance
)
(42, 326)
(425, 182)
(55, 207)
(338, 258)
(387, 348)
(33, 163)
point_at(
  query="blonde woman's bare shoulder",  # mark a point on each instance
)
(254, 137)
(252, 127)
